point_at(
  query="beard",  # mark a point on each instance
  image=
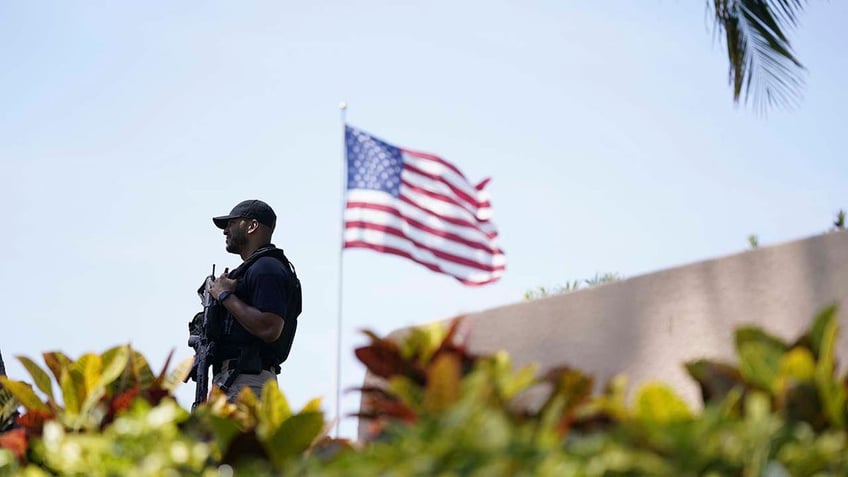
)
(236, 241)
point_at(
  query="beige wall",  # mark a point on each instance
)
(647, 326)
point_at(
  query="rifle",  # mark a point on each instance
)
(203, 343)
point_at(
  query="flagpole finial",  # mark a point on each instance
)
(342, 105)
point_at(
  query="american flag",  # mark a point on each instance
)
(419, 206)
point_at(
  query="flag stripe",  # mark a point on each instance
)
(406, 207)
(464, 191)
(409, 186)
(384, 215)
(412, 204)
(420, 231)
(484, 278)
(434, 158)
(442, 208)
(478, 261)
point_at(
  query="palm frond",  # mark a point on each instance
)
(8, 409)
(763, 67)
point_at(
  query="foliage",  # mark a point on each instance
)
(778, 410)
(763, 66)
(113, 416)
(598, 279)
(839, 222)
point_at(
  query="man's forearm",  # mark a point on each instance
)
(264, 325)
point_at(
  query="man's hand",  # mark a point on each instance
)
(222, 283)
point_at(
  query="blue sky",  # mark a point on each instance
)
(607, 127)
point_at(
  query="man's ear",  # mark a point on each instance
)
(253, 226)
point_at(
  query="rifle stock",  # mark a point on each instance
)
(203, 344)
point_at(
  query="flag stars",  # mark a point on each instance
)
(372, 164)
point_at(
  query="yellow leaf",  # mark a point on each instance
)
(443, 383)
(89, 366)
(247, 398)
(41, 378)
(179, 374)
(799, 364)
(273, 409)
(658, 403)
(312, 406)
(24, 394)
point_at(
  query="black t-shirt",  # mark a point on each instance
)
(269, 286)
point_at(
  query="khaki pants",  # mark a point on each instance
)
(253, 381)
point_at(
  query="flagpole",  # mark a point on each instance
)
(343, 111)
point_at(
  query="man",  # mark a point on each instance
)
(261, 301)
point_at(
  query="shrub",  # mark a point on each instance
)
(115, 417)
(779, 410)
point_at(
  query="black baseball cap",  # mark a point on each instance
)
(249, 209)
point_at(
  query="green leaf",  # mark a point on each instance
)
(115, 361)
(658, 403)
(140, 369)
(24, 394)
(832, 391)
(821, 323)
(406, 390)
(750, 334)
(56, 361)
(716, 380)
(41, 378)
(423, 341)
(223, 430)
(759, 357)
(519, 381)
(273, 409)
(73, 390)
(294, 436)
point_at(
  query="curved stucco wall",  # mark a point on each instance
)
(647, 326)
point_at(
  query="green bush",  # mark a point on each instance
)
(779, 410)
(115, 417)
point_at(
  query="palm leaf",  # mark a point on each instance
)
(763, 66)
(8, 409)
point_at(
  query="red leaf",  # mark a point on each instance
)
(384, 360)
(122, 401)
(33, 420)
(16, 442)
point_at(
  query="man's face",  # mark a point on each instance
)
(236, 235)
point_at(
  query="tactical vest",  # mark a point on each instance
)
(234, 342)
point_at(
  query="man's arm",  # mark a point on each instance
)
(264, 325)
